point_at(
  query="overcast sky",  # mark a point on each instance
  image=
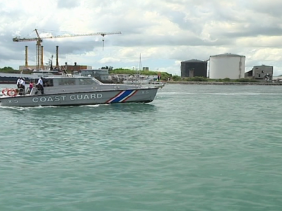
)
(164, 32)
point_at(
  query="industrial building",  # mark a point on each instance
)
(194, 67)
(39, 48)
(66, 67)
(227, 66)
(262, 72)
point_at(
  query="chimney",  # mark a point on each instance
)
(57, 56)
(26, 56)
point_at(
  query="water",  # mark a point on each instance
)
(195, 147)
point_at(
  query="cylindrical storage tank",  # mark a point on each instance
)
(193, 68)
(227, 66)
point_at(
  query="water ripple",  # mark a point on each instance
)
(193, 148)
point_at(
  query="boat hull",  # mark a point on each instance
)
(82, 98)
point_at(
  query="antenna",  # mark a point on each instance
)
(140, 63)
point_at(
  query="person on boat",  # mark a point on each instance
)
(18, 82)
(39, 85)
(22, 86)
(30, 86)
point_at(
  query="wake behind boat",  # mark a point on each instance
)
(67, 90)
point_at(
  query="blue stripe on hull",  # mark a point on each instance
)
(121, 97)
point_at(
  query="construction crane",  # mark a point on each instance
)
(39, 40)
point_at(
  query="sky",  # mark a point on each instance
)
(162, 32)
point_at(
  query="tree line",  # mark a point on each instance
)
(8, 70)
(164, 75)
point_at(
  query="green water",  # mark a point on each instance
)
(195, 147)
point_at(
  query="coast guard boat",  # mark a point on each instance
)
(70, 90)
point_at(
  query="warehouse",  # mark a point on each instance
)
(193, 68)
(262, 72)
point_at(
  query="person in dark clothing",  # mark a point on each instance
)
(39, 85)
(18, 82)
(21, 86)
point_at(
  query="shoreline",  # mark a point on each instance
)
(225, 83)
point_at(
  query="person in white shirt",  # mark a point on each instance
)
(21, 86)
(22, 83)
(39, 85)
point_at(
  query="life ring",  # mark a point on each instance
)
(12, 92)
(4, 91)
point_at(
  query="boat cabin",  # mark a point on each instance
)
(67, 81)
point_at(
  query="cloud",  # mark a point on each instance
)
(67, 4)
(164, 32)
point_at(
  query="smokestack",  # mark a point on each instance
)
(41, 62)
(26, 56)
(57, 56)
(66, 67)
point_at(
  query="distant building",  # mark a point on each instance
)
(194, 67)
(262, 72)
(62, 67)
(74, 67)
(32, 67)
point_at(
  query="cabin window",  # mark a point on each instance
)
(86, 81)
(48, 82)
(87, 73)
(66, 81)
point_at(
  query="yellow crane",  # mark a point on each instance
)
(39, 40)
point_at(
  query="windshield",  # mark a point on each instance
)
(86, 81)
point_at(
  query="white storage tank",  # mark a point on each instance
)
(227, 66)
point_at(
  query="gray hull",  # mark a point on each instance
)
(82, 98)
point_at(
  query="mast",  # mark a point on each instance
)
(140, 65)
